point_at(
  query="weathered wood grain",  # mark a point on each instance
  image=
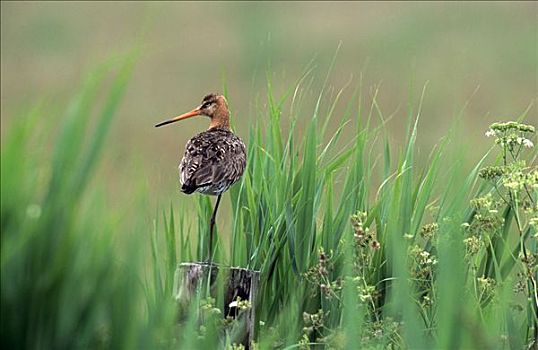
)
(238, 284)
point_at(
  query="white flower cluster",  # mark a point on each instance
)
(511, 133)
(491, 133)
(525, 142)
(512, 141)
(426, 258)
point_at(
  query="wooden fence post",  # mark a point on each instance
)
(239, 283)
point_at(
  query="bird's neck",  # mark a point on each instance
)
(220, 120)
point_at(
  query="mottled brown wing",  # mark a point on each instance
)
(213, 161)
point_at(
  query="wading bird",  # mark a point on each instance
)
(214, 159)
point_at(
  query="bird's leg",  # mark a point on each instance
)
(211, 228)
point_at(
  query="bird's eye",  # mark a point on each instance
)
(206, 105)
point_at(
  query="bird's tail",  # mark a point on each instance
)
(190, 188)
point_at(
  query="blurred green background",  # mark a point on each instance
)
(485, 53)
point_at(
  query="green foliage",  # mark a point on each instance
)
(63, 283)
(356, 244)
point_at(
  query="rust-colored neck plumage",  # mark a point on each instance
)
(220, 119)
(216, 108)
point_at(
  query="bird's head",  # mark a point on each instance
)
(213, 106)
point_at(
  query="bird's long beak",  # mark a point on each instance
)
(190, 114)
